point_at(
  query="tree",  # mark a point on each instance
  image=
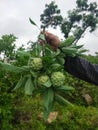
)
(51, 16)
(7, 46)
(84, 16)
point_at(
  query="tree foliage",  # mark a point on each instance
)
(51, 16)
(7, 45)
(84, 16)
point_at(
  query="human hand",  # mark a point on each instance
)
(52, 40)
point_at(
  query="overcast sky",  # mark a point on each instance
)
(14, 15)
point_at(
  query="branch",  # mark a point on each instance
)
(77, 39)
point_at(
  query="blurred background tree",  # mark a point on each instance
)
(7, 46)
(78, 20)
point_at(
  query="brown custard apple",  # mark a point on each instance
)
(35, 63)
(43, 79)
(58, 79)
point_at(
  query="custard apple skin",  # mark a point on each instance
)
(42, 80)
(36, 63)
(58, 79)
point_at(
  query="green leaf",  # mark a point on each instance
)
(48, 102)
(35, 83)
(56, 66)
(23, 54)
(20, 83)
(65, 88)
(48, 98)
(34, 74)
(11, 68)
(60, 60)
(48, 51)
(82, 51)
(32, 22)
(57, 52)
(29, 86)
(48, 60)
(62, 100)
(47, 112)
(42, 37)
(69, 50)
(48, 84)
(38, 50)
(67, 42)
(78, 47)
(25, 68)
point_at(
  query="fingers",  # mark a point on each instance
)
(52, 39)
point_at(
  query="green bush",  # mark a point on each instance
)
(69, 118)
(27, 110)
(7, 99)
(81, 88)
(6, 109)
(22, 113)
(76, 118)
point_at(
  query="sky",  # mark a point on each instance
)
(14, 19)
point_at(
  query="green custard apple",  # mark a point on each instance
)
(58, 79)
(42, 80)
(35, 63)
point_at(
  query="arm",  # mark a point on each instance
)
(82, 69)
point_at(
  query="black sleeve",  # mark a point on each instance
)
(82, 69)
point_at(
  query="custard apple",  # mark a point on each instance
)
(43, 79)
(58, 79)
(35, 63)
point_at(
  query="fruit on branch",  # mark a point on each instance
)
(58, 79)
(43, 79)
(35, 63)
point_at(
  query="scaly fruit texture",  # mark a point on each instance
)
(43, 79)
(35, 63)
(58, 79)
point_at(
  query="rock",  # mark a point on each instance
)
(51, 118)
(88, 99)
